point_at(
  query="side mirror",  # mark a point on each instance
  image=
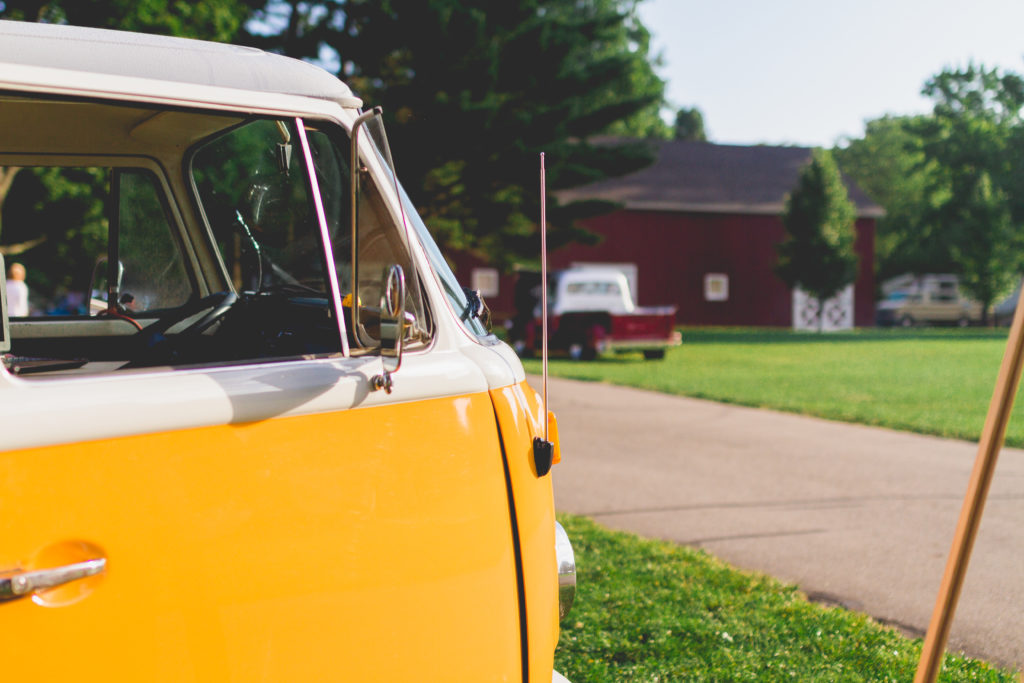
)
(392, 327)
(476, 307)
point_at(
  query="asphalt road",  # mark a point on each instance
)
(857, 516)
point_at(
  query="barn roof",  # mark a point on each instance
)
(709, 178)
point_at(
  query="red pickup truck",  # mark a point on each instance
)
(591, 312)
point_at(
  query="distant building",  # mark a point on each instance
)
(698, 229)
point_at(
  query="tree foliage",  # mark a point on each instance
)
(690, 125)
(888, 164)
(219, 20)
(473, 91)
(51, 217)
(976, 203)
(69, 203)
(984, 242)
(951, 181)
(817, 253)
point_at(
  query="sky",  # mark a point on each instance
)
(811, 72)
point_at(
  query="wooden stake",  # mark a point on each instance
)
(974, 502)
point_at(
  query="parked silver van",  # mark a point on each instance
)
(926, 300)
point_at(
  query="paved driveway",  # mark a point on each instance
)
(854, 515)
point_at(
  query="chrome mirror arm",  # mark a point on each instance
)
(354, 189)
(392, 328)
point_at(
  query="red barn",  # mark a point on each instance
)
(698, 229)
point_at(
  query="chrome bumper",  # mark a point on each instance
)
(566, 561)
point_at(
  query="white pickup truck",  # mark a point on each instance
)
(592, 311)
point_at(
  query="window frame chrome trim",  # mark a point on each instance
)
(325, 237)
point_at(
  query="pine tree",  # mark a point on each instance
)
(474, 90)
(817, 254)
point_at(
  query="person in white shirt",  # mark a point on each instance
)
(17, 291)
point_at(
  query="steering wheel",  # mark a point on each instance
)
(155, 347)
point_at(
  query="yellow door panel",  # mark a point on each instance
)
(368, 544)
(519, 415)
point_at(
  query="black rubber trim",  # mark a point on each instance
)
(543, 455)
(518, 552)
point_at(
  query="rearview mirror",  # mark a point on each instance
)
(104, 293)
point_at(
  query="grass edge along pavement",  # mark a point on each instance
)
(936, 381)
(648, 610)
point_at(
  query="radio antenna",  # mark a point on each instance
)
(544, 291)
(543, 449)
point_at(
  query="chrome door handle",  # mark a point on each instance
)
(20, 585)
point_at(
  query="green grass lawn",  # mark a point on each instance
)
(934, 381)
(655, 611)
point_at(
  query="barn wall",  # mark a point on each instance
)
(864, 288)
(674, 252)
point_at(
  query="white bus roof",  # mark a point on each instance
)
(163, 58)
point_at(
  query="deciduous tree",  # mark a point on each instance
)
(976, 183)
(983, 240)
(888, 164)
(951, 182)
(690, 125)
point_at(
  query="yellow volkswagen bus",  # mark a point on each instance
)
(252, 427)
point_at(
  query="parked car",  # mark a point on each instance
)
(275, 447)
(592, 312)
(927, 299)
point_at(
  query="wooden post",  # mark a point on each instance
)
(974, 502)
